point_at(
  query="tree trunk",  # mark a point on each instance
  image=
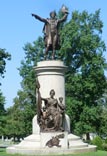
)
(87, 136)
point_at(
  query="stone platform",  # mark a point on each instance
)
(36, 145)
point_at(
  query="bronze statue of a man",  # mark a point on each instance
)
(50, 30)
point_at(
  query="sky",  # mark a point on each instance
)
(17, 27)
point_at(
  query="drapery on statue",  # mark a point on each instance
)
(38, 102)
(50, 30)
(49, 117)
(52, 113)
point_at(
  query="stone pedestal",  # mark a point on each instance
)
(36, 145)
(50, 75)
(35, 126)
(62, 137)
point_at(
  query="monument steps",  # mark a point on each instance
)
(51, 151)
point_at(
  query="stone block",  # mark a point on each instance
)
(47, 138)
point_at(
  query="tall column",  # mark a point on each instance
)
(50, 75)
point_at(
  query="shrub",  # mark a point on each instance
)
(98, 142)
(106, 141)
(104, 146)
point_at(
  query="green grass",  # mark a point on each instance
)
(98, 153)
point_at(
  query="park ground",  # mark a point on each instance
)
(97, 153)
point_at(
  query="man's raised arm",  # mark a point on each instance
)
(39, 18)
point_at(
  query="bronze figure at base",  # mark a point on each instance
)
(51, 116)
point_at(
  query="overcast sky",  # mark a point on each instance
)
(17, 27)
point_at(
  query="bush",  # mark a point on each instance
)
(98, 142)
(104, 146)
(106, 141)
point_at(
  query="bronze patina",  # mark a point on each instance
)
(50, 30)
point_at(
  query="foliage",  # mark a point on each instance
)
(98, 142)
(20, 116)
(82, 51)
(104, 146)
(2, 125)
(2, 102)
(3, 57)
(103, 125)
(2, 113)
(34, 54)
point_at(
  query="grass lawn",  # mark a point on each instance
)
(98, 153)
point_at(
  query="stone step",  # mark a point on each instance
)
(33, 138)
(51, 151)
(35, 145)
(73, 137)
(78, 145)
(28, 144)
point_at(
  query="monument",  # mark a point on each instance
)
(51, 126)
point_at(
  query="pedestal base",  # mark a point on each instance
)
(33, 145)
(54, 140)
(50, 75)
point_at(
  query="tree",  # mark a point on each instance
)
(82, 51)
(2, 102)
(20, 116)
(103, 127)
(3, 57)
(2, 113)
(34, 54)
(22, 112)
